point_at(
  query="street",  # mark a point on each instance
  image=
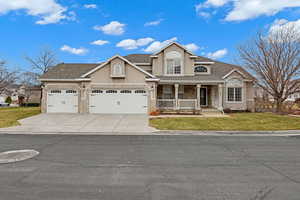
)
(152, 167)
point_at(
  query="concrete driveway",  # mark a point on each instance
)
(83, 123)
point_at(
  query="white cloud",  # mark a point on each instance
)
(247, 9)
(90, 6)
(49, 11)
(192, 47)
(157, 45)
(79, 51)
(154, 23)
(134, 44)
(280, 24)
(99, 42)
(217, 54)
(113, 28)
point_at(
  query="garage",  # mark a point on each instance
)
(118, 101)
(62, 101)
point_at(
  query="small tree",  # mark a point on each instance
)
(8, 100)
(275, 61)
(7, 77)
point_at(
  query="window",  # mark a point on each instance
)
(56, 91)
(125, 91)
(140, 91)
(167, 91)
(234, 94)
(173, 63)
(181, 91)
(71, 92)
(201, 69)
(118, 69)
(111, 91)
(97, 91)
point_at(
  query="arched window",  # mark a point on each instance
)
(173, 63)
(201, 69)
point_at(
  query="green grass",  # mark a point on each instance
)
(236, 122)
(10, 116)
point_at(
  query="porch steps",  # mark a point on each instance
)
(211, 111)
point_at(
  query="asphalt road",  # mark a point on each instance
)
(152, 168)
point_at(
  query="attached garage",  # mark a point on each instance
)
(118, 101)
(62, 101)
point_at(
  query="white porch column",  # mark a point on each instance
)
(198, 97)
(220, 91)
(176, 96)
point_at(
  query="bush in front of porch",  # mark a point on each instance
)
(236, 122)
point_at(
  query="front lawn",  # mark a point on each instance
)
(10, 116)
(236, 122)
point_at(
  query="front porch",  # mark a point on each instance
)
(189, 99)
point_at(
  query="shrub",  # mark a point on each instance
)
(227, 110)
(154, 113)
(8, 100)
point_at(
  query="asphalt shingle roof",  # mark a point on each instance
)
(73, 70)
(68, 71)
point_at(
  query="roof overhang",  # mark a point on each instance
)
(64, 80)
(205, 63)
(181, 46)
(234, 70)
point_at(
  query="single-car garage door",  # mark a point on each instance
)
(62, 101)
(117, 101)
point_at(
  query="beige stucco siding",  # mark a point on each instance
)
(159, 61)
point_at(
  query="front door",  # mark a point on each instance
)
(203, 96)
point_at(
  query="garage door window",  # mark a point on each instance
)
(97, 91)
(55, 91)
(71, 91)
(140, 91)
(126, 91)
(111, 91)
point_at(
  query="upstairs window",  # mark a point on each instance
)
(173, 63)
(201, 69)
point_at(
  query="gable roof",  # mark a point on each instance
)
(109, 60)
(173, 43)
(68, 71)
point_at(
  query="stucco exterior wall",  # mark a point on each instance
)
(159, 62)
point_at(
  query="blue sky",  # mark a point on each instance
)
(94, 30)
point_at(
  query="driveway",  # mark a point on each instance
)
(81, 123)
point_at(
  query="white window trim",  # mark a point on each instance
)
(122, 69)
(242, 100)
(204, 73)
(166, 65)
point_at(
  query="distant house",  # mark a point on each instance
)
(22, 94)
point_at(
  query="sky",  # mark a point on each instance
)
(91, 31)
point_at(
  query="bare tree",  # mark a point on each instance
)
(29, 79)
(7, 78)
(275, 61)
(45, 60)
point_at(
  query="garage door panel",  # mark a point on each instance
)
(119, 102)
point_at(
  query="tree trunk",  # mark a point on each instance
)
(279, 106)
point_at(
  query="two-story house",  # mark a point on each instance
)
(171, 80)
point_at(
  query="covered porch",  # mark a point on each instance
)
(194, 98)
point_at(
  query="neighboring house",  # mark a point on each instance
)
(171, 80)
(22, 94)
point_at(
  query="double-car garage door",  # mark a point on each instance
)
(104, 101)
(112, 101)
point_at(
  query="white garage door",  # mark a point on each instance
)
(62, 101)
(118, 101)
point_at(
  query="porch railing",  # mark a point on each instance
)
(187, 103)
(166, 103)
(182, 104)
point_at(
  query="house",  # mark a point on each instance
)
(170, 80)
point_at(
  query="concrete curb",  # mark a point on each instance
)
(166, 133)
